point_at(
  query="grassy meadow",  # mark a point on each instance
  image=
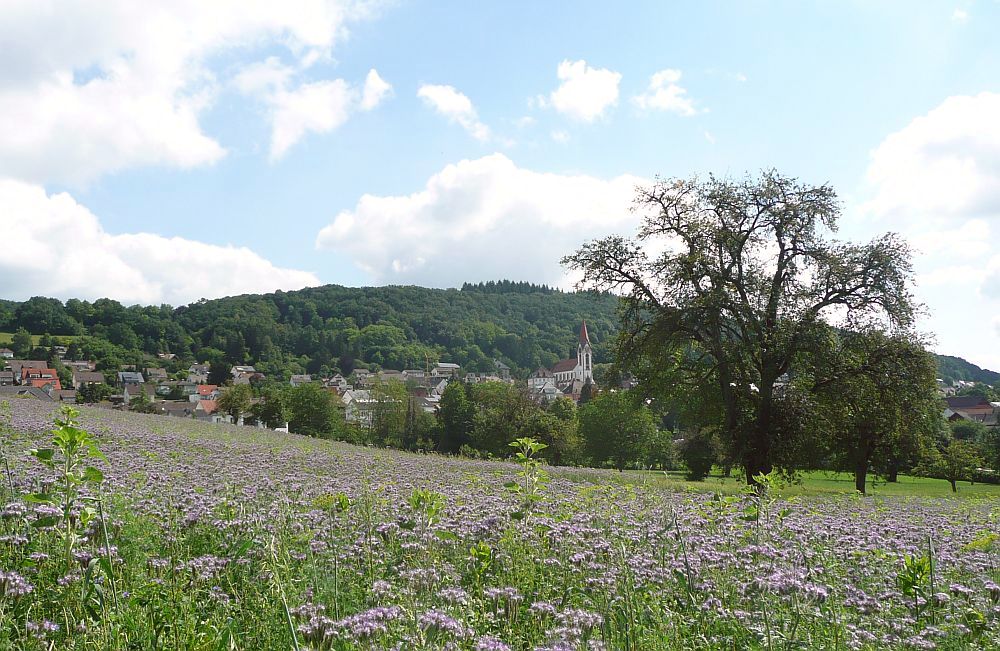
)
(144, 532)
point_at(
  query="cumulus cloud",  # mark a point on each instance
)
(664, 93)
(585, 92)
(456, 106)
(376, 89)
(478, 220)
(62, 250)
(937, 180)
(90, 88)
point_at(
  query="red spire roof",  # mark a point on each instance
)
(584, 339)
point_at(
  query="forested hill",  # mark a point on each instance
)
(332, 328)
(956, 368)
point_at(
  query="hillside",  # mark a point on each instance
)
(956, 368)
(329, 327)
(333, 327)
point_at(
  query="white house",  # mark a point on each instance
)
(358, 406)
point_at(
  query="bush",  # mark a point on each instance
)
(698, 453)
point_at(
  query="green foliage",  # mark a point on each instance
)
(956, 461)
(456, 415)
(616, 428)
(531, 478)
(314, 411)
(72, 447)
(21, 344)
(94, 393)
(338, 327)
(699, 454)
(235, 401)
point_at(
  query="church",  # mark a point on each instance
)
(569, 375)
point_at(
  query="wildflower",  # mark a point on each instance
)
(14, 585)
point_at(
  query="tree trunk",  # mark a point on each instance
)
(757, 457)
(892, 473)
(954, 487)
(861, 475)
(865, 448)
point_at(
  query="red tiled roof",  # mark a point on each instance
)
(206, 389)
(584, 338)
(208, 406)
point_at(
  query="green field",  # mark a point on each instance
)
(815, 483)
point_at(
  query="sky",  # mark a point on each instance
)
(163, 152)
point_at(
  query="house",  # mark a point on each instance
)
(6, 378)
(358, 406)
(389, 374)
(25, 393)
(156, 375)
(129, 377)
(133, 391)
(241, 370)
(40, 378)
(502, 369)
(248, 377)
(6, 353)
(198, 373)
(337, 382)
(175, 408)
(80, 365)
(544, 393)
(208, 411)
(479, 378)
(85, 378)
(446, 369)
(540, 378)
(975, 408)
(66, 395)
(413, 374)
(60, 351)
(17, 365)
(166, 356)
(187, 389)
(299, 380)
(205, 392)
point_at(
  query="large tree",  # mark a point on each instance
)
(739, 275)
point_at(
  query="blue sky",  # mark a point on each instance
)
(253, 146)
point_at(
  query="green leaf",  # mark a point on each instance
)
(43, 454)
(39, 498)
(47, 521)
(446, 535)
(93, 475)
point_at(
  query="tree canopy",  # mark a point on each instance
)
(740, 279)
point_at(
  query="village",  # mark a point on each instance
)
(192, 396)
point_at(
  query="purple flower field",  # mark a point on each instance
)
(218, 537)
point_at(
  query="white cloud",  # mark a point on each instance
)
(318, 107)
(664, 93)
(937, 180)
(63, 251)
(560, 136)
(90, 88)
(478, 220)
(960, 16)
(455, 106)
(585, 93)
(376, 89)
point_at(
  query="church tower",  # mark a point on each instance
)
(584, 356)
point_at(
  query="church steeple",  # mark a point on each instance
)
(584, 356)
